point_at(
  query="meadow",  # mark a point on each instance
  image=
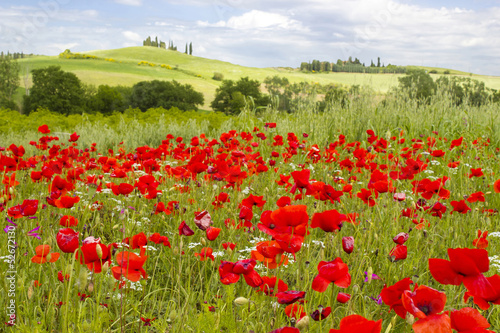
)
(368, 217)
(198, 71)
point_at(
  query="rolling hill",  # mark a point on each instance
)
(121, 67)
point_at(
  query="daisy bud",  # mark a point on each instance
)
(98, 250)
(241, 301)
(303, 323)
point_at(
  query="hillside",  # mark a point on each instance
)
(197, 71)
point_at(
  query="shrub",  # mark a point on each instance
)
(218, 76)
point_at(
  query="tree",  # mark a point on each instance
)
(9, 82)
(56, 90)
(190, 48)
(186, 52)
(378, 62)
(417, 83)
(166, 94)
(230, 97)
(279, 87)
(108, 99)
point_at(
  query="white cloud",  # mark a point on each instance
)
(132, 36)
(129, 2)
(257, 19)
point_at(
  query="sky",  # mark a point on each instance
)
(462, 35)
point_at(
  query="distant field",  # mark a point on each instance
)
(199, 71)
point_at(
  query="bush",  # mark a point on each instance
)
(230, 97)
(446, 72)
(218, 76)
(153, 94)
(433, 71)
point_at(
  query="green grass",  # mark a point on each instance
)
(125, 71)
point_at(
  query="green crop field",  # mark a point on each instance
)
(198, 72)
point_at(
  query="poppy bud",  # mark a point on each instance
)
(348, 244)
(2, 200)
(409, 318)
(11, 190)
(98, 250)
(303, 323)
(393, 320)
(203, 241)
(90, 287)
(48, 257)
(241, 301)
(105, 267)
(370, 274)
(82, 280)
(176, 251)
(30, 292)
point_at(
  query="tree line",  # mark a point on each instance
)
(64, 93)
(158, 43)
(350, 66)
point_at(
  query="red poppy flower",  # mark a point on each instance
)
(399, 252)
(321, 313)
(123, 188)
(368, 196)
(496, 186)
(203, 220)
(138, 241)
(476, 173)
(401, 238)
(43, 255)
(456, 143)
(283, 201)
(465, 265)
(44, 129)
(27, 208)
(290, 296)
(67, 240)
(392, 295)
(66, 201)
(185, 230)
(252, 201)
(469, 320)
(212, 233)
(301, 180)
(343, 298)
(205, 253)
(62, 277)
(358, 324)
(157, 239)
(270, 254)
(68, 221)
(230, 272)
(328, 221)
(331, 272)
(73, 137)
(423, 301)
(94, 254)
(460, 207)
(227, 245)
(272, 285)
(348, 244)
(478, 196)
(483, 290)
(130, 266)
(295, 311)
(286, 329)
(480, 242)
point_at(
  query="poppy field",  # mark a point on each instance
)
(363, 220)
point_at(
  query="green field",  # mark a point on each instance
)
(199, 71)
